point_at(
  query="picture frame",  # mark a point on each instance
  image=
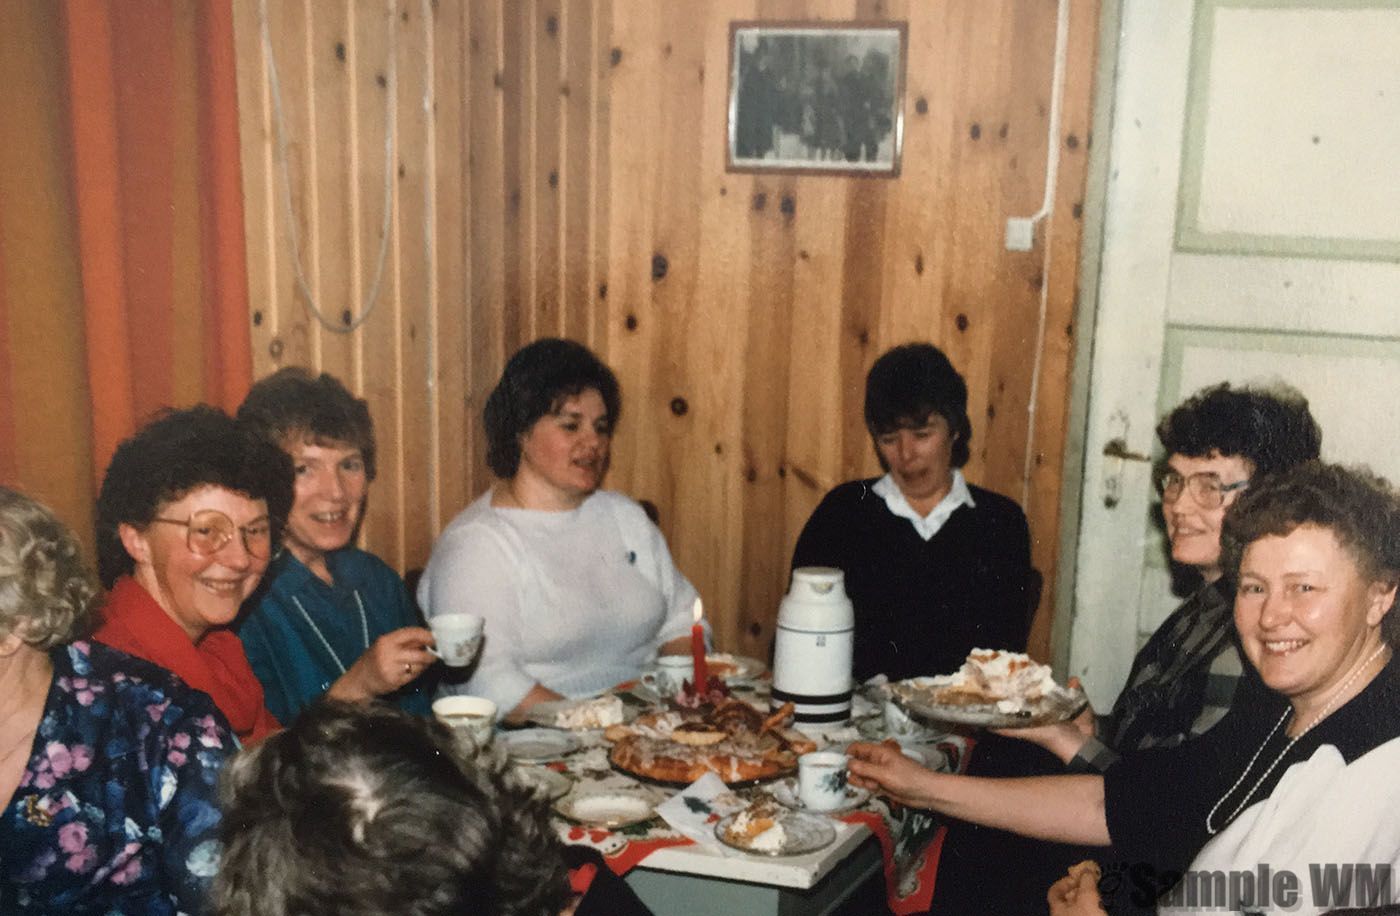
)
(816, 97)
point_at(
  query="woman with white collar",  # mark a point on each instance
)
(934, 565)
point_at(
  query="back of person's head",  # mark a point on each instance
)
(359, 810)
(910, 383)
(46, 590)
(175, 453)
(292, 403)
(1268, 426)
(536, 381)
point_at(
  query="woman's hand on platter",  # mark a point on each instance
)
(392, 661)
(884, 768)
(1063, 739)
(1077, 893)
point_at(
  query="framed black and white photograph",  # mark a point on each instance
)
(816, 97)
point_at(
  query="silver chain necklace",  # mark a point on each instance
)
(364, 627)
(1356, 672)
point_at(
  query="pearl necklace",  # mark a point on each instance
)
(1356, 672)
(364, 627)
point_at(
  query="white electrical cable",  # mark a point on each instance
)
(390, 112)
(1052, 171)
(425, 12)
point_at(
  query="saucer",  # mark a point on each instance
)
(785, 791)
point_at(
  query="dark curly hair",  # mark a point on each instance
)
(536, 382)
(369, 810)
(292, 402)
(909, 384)
(176, 452)
(1361, 510)
(1270, 427)
(46, 590)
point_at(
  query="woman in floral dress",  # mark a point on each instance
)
(108, 764)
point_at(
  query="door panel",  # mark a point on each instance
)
(1251, 233)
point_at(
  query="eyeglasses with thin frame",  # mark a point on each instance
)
(1205, 486)
(208, 531)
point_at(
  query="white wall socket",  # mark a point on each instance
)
(1020, 234)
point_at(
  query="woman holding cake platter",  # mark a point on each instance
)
(1297, 774)
(575, 583)
(1219, 442)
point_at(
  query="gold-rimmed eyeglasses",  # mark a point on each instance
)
(1206, 487)
(208, 531)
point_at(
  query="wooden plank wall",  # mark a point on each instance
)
(567, 177)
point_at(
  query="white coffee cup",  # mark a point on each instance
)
(821, 780)
(458, 637)
(472, 719)
(667, 673)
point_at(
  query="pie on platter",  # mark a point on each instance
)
(993, 688)
(732, 740)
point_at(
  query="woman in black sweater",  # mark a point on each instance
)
(934, 566)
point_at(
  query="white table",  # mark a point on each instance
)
(701, 881)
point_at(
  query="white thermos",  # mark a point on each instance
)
(812, 655)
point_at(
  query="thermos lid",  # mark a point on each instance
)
(819, 580)
(816, 601)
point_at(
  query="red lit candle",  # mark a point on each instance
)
(701, 671)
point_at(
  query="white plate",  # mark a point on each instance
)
(738, 667)
(785, 791)
(607, 808)
(916, 696)
(535, 744)
(546, 714)
(542, 781)
(804, 833)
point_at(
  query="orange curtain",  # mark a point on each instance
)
(122, 270)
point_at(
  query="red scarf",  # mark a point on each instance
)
(133, 622)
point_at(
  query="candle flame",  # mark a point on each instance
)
(699, 611)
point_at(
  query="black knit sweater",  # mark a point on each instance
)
(921, 606)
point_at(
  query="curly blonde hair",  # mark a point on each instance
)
(47, 592)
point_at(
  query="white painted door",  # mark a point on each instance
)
(1251, 232)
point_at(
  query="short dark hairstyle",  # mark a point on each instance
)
(1361, 510)
(1270, 427)
(535, 382)
(909, 384)
(176, 452)
(370, 810)
(318, 408)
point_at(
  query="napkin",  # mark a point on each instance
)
(694, 810)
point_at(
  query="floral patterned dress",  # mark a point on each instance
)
(117, 811)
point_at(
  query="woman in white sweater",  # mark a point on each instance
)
(575, 583)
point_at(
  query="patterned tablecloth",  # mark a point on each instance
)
(911, 840)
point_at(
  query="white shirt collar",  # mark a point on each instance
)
(926, 525)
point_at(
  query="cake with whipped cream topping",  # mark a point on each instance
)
(599, 712)
(1011, 681)
(758, 827)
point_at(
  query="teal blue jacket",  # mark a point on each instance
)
(286, 654)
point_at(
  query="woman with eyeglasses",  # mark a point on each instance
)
(1298, 777)
(188, 512)
(1219, 442)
